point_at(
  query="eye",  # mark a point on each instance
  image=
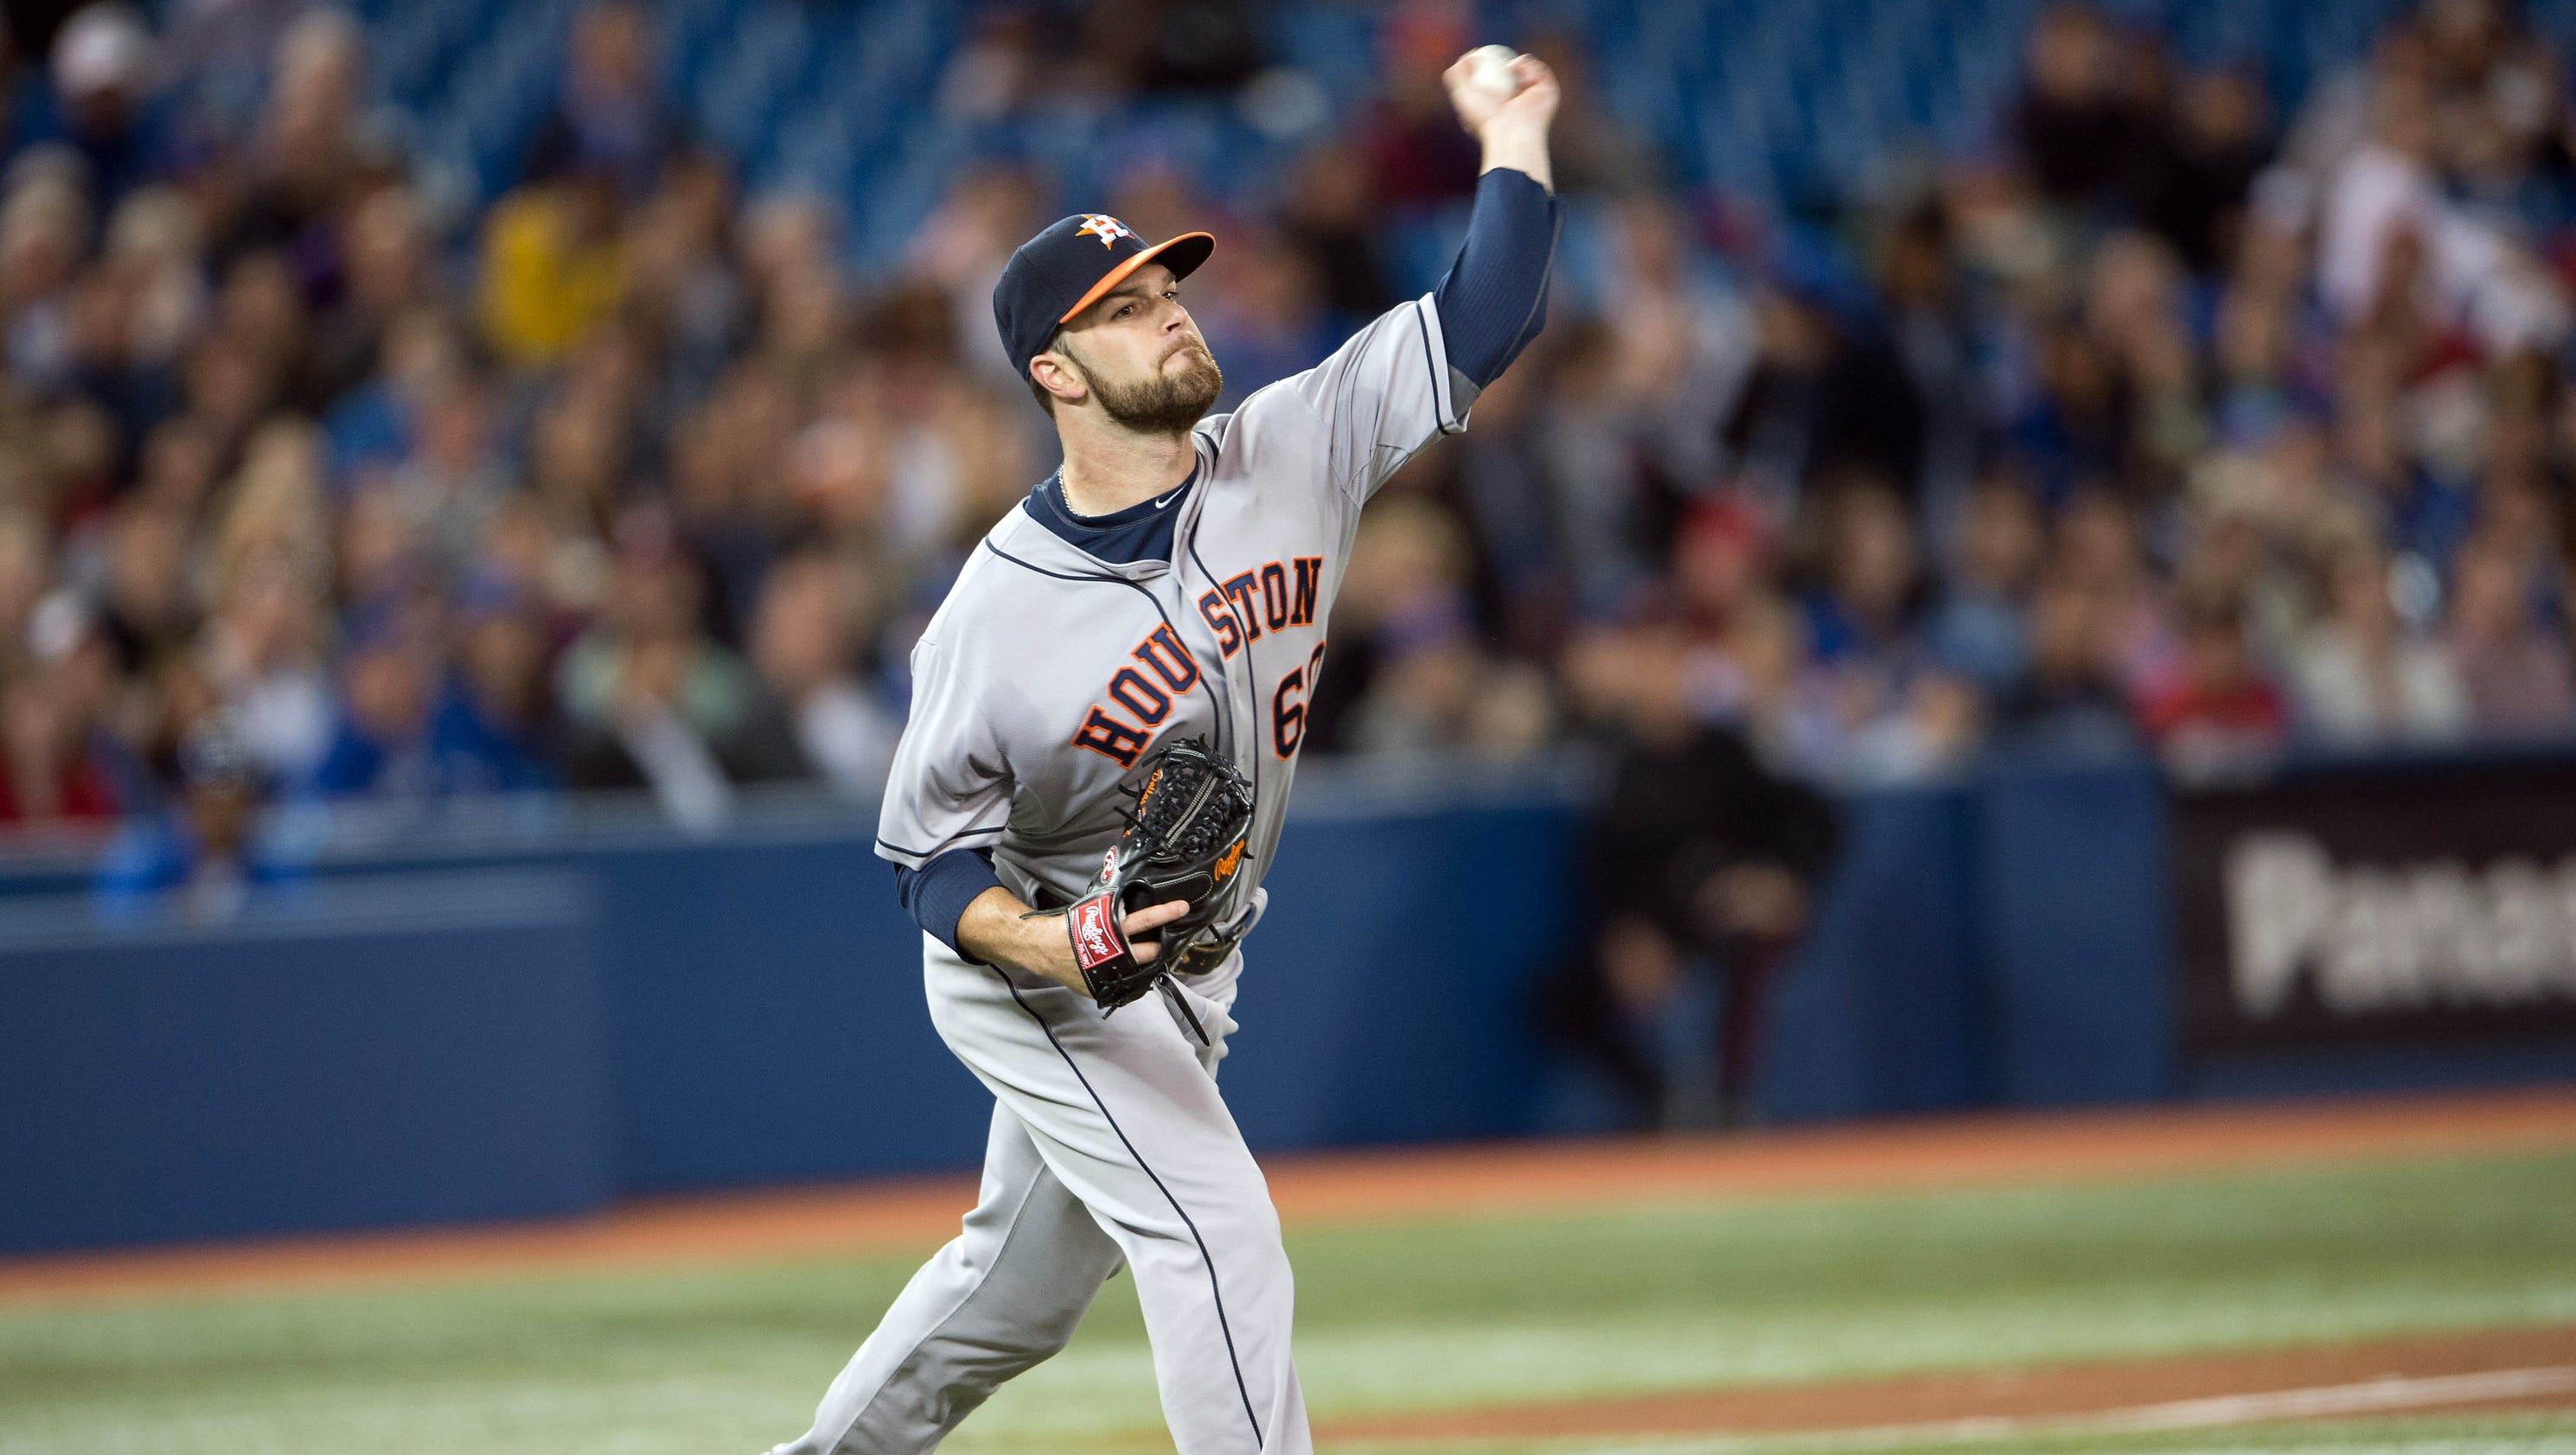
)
(1123, 310)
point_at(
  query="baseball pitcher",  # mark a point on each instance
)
(1106, 717)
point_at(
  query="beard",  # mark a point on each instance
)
(1165, 403)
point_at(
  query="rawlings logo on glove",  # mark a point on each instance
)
(1096, 940)
(1185, 841)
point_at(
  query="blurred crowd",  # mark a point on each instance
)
(2159, 420)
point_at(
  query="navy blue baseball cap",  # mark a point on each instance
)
(1066, 268)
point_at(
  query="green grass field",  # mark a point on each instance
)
(1423, 1315)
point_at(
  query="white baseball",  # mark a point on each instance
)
(1489, 69)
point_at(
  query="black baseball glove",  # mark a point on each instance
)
(1185, 840)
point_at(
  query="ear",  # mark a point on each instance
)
(1059, 377)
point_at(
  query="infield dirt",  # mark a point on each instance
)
(1500, 1179)
(2383, 1376)
(2453, 1373)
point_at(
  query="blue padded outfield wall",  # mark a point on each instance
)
(368, 1052)
(532, 1015)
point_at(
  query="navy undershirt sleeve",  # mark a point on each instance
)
(938, 892)
(1494, 299)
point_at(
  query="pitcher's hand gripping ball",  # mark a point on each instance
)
(1183, 841)
(1489, 69)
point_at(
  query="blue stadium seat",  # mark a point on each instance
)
(1767, 100)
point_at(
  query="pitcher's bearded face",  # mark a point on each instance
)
(1139, 353)
(1167, 401)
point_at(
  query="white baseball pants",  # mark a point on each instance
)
(1109, 1141)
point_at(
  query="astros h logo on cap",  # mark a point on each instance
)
(1104, 227)
(1066, 269)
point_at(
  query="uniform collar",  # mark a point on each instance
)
(1048, 504)
(1025, 533)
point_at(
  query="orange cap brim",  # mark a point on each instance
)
(1118, 275)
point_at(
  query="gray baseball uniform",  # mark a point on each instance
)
(1040, 685)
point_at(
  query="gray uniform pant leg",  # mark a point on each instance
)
(1124, 1118)
(1002, 1296)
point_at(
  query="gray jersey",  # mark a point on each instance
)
(1047, 674)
